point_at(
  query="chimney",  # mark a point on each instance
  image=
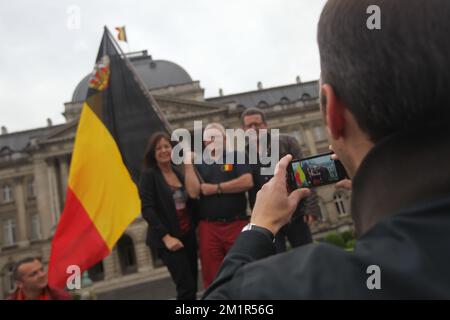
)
(298, 80)
(221, 92)
(49, 122)
(259, 85)
(4, 130)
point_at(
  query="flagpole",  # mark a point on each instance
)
(141, 84)
(128, 41)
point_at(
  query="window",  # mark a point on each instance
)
(284, 100)
(323, 210)
(262, 104)
(35, 227)
(7, 193)
(319, 134)
(306, 96)
(127, 255)
(339, 201)
(9, 232)
(97, 272)
(298, 136)
(30, 189)
(10, 282)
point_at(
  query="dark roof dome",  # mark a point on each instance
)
(154, 73)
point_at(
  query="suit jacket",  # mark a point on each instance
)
(401, 210)
(158, 207)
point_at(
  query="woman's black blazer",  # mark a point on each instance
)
(158, 207)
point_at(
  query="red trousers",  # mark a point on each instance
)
(215, 239)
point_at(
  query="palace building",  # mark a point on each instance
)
(34, 167)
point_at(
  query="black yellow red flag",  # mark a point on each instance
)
(121, 34)
(102, 199)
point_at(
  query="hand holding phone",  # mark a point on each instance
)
(315, 171)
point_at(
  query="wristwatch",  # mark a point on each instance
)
(267, 232)
(219, 189)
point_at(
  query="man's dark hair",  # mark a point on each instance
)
(251, 112)
(16, 274)
(393, 79)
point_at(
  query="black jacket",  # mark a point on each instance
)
(158, 207)
(401, 210)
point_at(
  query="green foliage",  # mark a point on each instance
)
(335, 238)
(347, 235)
(344, 240)
(350, 244)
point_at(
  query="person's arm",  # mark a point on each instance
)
(241, 184)
(273, 209)
(148, 204)
(191, 181)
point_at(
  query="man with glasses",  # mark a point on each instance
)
(297, 231)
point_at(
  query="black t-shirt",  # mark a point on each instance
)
(223, 205)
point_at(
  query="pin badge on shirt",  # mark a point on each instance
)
(227, 167)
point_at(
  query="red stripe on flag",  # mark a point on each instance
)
(76, 242)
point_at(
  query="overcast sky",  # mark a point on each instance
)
(229, 44)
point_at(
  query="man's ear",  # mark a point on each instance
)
(19, 284)
(333, 110)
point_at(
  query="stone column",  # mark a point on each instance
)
(109, 267)
(116, 262)
(2, 283)
(42, 192)
(55, 205)
(19, 198)
(143, 258)
(64, 166)
(310, 141)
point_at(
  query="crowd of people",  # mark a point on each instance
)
(384, 96)
(205, 205)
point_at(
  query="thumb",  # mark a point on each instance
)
(297, 195)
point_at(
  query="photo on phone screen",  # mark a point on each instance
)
(315, 171)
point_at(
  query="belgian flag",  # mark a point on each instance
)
(121, 34)
(102, 198)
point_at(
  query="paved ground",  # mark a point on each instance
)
(161, 289)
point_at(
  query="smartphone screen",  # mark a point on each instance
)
(315, 171)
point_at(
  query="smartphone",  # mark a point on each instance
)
(315, 171)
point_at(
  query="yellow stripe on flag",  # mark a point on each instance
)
(100, 179)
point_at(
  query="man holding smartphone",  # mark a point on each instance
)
(387, 117)
(296, 230)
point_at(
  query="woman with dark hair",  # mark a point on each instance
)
(166, 206)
